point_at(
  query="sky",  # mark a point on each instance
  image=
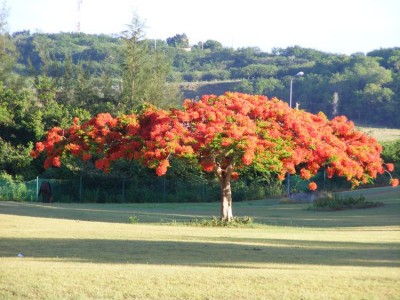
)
(333, 26)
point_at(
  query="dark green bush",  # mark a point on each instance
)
(337, 202)
(217, 222)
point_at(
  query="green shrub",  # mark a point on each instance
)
(12, 190)
(217, 222)
(134, 219)
(337, 202)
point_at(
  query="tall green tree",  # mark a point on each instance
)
(145, 71)
(68, 82)
(52, 112)
(8, 53)
(20, 124)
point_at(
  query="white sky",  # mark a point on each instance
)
(335, 26)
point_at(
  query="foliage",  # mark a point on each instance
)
(20, 124)
(217, 222)
(212, 45)
(366, 86)
(134, 219)
(12, 190)
(15, 160)
(391, 151)
(8, 53)
(178, 41)
(145, 72)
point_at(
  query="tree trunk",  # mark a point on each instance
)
(226, 201)
(224, 177)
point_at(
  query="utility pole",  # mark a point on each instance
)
(290, 105)
(78, 23)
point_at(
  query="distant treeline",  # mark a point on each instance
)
(363, 87)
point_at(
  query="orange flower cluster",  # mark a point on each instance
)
(222, 133)
(312, 186)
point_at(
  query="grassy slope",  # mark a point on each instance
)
(193, 90)
(382, 134)
(295, 253)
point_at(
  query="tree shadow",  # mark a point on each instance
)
(235, 253)
(111, 213)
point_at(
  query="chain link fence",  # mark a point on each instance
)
(95, 188)
(109, 189)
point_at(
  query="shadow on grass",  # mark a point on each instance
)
(203, 253)
(268, 212)
(112, 213)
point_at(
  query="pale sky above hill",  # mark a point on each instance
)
(335, 26)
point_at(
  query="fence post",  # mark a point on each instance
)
(164, 187)
(80, 189)
(123, 189)
(203, 192)
(37, 188)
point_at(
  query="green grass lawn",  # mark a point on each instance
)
(90, 251)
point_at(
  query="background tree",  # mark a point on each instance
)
(355, 84)
(178, 41)
(145, 72)
(212, 45)
(8, 53)
(20, 124)
(223, 135)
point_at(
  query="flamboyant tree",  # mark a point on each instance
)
(223, 134)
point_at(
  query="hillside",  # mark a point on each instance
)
(90, 68)
(194, 90)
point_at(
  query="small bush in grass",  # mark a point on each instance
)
(337, 202)
(217, 222)
(134, 219)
